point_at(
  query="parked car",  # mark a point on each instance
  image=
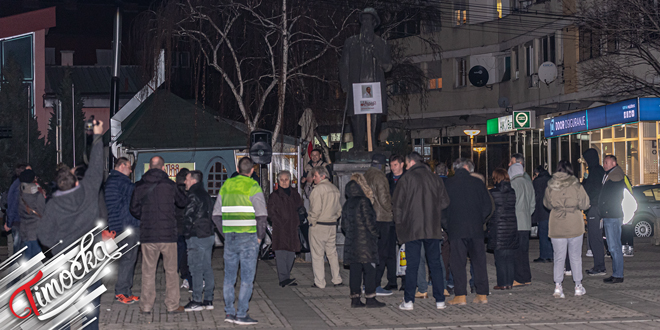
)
(648, 209)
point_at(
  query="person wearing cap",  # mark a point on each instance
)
(383, 206)
(32, 203)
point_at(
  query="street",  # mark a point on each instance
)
(634, 304)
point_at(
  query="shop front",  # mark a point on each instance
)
(629, 130)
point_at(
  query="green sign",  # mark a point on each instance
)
(492, 126)
(522, 119)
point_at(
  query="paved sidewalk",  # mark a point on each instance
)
(634, 304)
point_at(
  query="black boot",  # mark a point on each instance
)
(355, 303)
(373, 303)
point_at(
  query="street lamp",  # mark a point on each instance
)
(471, 133)
(479, 150)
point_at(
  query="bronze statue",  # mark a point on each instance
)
(365, 58)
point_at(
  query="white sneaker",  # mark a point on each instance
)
(406, 306)
(580, 290)
(568, 273)
(589, 253)
(559, 291)
(440, 305)
(185, 284)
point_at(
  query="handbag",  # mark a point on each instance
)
(303, 237)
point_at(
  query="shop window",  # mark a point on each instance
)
(632, 161)
(632, 131)
(217, 176)
(595, 135)
(649, 130)
(607, 133)
(619, 132)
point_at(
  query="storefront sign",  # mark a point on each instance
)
(649, 109)
(571, 123)
(172, 169)
(492, 126)
(621, 112)
(505, 124)
(524, 119)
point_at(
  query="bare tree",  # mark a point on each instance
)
(619, 43)
(250, 43)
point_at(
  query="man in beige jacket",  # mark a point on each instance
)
(324, 211)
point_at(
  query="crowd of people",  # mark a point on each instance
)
(443, 221)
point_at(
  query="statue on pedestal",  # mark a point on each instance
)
(365, 58)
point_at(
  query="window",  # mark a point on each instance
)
(529, 59)
(461, 72)
(460, 14)
(407, 25)
(548, 49)
(516, 66)
(217, 176)
(590, 44)
(20, 50)
(507, 69)
(434, 73)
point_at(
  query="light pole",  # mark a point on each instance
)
(479, 150)
(471, 133)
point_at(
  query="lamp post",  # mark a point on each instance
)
(471, 133)
(479, 150)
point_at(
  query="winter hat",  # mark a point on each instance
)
(27, 176)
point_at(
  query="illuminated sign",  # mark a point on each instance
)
(571, 123)
(621, 112)
(649, 109)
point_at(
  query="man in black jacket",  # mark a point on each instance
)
(541, 215)
(609, 206)
(593, 183)
(469, 208)
(418, 201)
(154, 201)
(198, 230)
(397, 168)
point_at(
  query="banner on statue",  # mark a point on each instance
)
(367, 98)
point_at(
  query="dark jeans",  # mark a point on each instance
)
(358, 273)
(627, 234)
(199, 259)
(460, 248)
(523, 272)
(182, 260)
(595, 238)
(413, 252)
(126, 264)
(33, 248)
(504, 265)
(386, 253)
(545, 245)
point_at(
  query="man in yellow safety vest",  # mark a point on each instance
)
(240, 212)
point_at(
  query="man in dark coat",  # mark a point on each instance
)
(611, 210)
(470, 206)
(181, 247)
(154, 201)
(418, 201)
(541, 214)
(200, 238)
(361, 244)
(397, 168)
(593, 183)
(283, 206)
(118, 192)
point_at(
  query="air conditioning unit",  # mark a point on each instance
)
(534, 81)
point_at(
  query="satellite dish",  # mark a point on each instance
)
(478, 76)
(503, 102)
(547, 72)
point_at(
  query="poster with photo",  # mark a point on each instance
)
(367, 98)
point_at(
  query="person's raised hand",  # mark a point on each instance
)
(98, 127)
